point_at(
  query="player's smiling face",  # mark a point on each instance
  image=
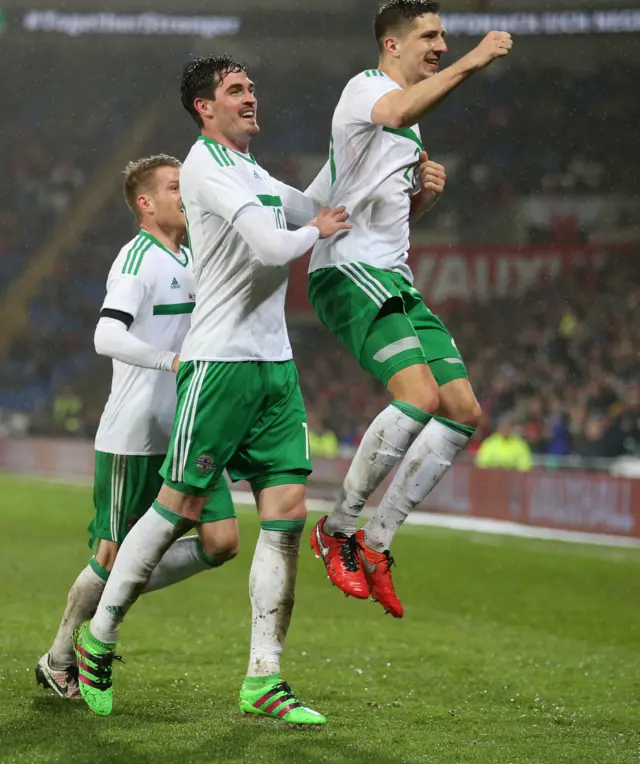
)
(235, 108)
(166, 199)
(422, 47)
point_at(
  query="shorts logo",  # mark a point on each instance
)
(205, 464)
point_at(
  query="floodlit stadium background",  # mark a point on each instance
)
(531, 257)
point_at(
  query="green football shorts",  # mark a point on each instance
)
(246, 417)
(125, 487)
(383, 322)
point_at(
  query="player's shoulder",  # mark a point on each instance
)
(369, 78)
(133, 259)
(207, 155)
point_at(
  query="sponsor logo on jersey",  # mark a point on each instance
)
(175, 284)
(205, 464)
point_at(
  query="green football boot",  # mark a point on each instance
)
(275, 699)
(95, 663)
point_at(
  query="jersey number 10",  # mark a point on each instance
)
(279, 215)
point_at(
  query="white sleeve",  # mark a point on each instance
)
(113, 340)
(299, 208)
(364, 93)
(271, 245)
(125, 293)
(321, 186)
(224, 192)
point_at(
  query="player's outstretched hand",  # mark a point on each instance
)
(432, 175)
(330, 220)
(494, 45)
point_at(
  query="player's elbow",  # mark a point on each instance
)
(106, 336)
(270, 257)
(100, 341)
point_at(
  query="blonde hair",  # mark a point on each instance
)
(139, 175)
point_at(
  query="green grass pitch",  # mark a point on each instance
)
(511, 650)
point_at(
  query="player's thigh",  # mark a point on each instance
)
(282, 502)
(217, 404)
(124, 488)
(275, 450)
(392, 352)
(440, 349)
(363, 307)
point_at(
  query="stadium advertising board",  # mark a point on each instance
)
(450, 274)
(564, 500)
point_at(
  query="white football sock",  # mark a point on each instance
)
(140, 553)
(272, 589)
(82, 602)
(383, 445)
(421, 470)
(184, 558)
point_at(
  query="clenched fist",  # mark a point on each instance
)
(494, 45)
(432, 175)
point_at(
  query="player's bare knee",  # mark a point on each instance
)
(106, 554)
(471, 415)
(220, 540)
(424, 397)
(416, 385)
(222, 550)
(458, 403)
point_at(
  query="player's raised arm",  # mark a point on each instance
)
(411, 42)
(125, 296)
(403, 108)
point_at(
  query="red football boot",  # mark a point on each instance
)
(377, 569)
(341, 559)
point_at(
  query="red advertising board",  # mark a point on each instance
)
(446, 274)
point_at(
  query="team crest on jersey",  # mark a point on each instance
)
(205, 464)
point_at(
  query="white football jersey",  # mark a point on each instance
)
(156, 287)
(373, 173)
(239, 315)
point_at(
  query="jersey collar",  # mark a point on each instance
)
(247, 157)
(181, 258)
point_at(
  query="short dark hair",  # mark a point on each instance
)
(394, 14)
(201, 77)
(139, 176)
